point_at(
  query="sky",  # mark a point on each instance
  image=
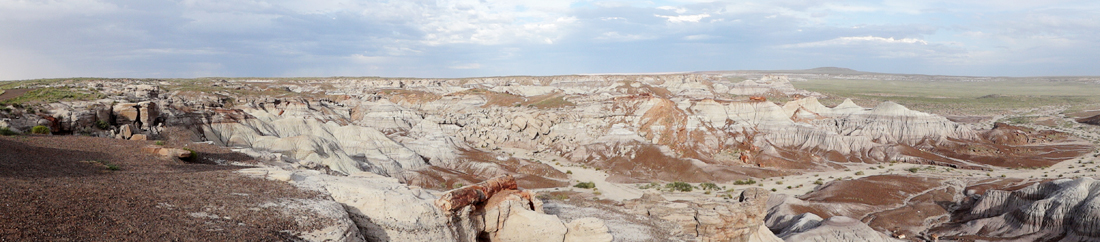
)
(467, 38)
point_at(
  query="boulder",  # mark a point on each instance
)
(125, 113)
(587, 230)
(169, 152)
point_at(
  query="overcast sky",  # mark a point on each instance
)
(461, 38)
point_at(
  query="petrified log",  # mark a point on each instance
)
(474, 194)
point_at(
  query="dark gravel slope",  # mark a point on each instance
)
(57, 188)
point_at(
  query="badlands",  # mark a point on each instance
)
(709, 156)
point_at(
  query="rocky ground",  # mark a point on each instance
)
(676, 157)
(59, 188)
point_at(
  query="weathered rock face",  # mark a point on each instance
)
(423, 131)
(1065, 209)
(499, 212)
(712, 220)
(907, 205)
(837, 228)
(1094, 120)
(382, 209)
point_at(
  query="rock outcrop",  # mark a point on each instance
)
(1064, 209)
(738, 219)
(498, 211)
(426, 131)
(1094, 120)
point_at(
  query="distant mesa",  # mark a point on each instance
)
(833, 70)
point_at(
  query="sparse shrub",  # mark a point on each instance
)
(457, 185)
(570, 172)
(112, 167)
(859, 173)
(40, 130)
(102, 125)
(773, 189)
(744, 182)
(194, 155)
(1002, 175)
(159, 142)
(913, 169)
(7, 132)
(679, 186)
(650, 185)
(585, 185)
(706, 186)
(819, 182)
(779, 183)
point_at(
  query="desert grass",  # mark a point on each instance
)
(960, 98)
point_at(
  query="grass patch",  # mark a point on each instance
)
(586, 185)
(679, 186)
(706, 186)
(54, 94)
(957, 97)
(102, 125)
(194, 155)
(7, 132)
(40, 130)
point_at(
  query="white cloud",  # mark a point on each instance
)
(675, 9)
(698, 37)
(855, 40)
(618, 37)
(684, 18)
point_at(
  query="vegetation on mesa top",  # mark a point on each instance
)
(54, 94)
(956, 97)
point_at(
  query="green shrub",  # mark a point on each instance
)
(709, 186)
(40, 130)
(102, 125)
(913, 169)
(819, 181)
(679, 186)
(159, 142)
(859, 173)
(7, 132)
(745, 182)
(570, 172)
(457, 185)
(585, 185)
(194, 155)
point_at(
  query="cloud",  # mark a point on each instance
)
(684, 18)
(446, 38)
(616, 36)
(857, 40)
